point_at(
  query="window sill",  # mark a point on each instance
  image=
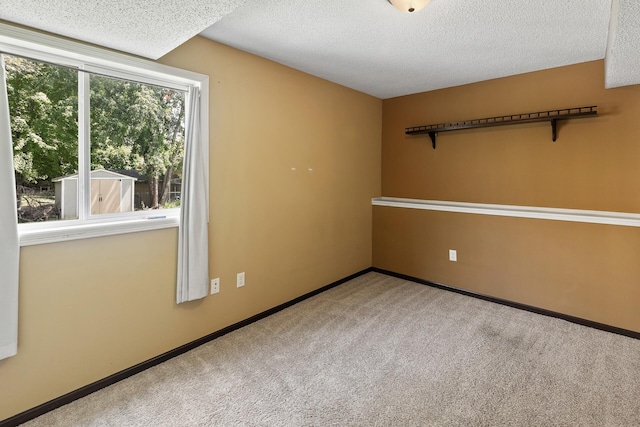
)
(74, 230)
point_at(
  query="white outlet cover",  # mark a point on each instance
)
(215, 285)
(453, 255)
(240, 280)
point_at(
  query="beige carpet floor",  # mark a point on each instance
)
(380, 351)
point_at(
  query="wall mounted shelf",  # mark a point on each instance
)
(551, 116)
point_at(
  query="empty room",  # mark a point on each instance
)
(349, 213)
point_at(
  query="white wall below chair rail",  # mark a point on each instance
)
(555, 214)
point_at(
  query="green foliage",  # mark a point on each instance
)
(43, 100)
(133, 126)
(171, 204)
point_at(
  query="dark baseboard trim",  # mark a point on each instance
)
(544, 312)
(32, 413)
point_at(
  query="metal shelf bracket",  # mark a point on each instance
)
(432, 135)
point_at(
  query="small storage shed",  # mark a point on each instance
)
(111, 192)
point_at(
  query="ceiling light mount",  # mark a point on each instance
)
(409, 5)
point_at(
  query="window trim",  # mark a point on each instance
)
(74, 229)
(22, 42)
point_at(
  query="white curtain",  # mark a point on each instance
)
(9, 245)
(193, 241)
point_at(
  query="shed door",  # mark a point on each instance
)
(105, 196)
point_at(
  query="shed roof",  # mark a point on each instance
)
(98, 173)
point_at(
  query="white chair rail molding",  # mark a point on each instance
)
(554, 214)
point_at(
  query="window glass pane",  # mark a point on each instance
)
(137, 146)
(43, 103)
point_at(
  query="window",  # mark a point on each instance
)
(136, 143)
(98, 138)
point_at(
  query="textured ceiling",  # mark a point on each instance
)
(370, 46)
(623, 51)
(367, 45)
(148, 28)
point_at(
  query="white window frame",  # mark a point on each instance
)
(22, 42)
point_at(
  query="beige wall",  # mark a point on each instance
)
(90, 308)
(585, 270)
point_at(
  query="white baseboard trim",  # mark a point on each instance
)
(554, 214)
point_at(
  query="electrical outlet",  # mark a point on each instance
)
(240, 280)
(453, 255)
(215, 285)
